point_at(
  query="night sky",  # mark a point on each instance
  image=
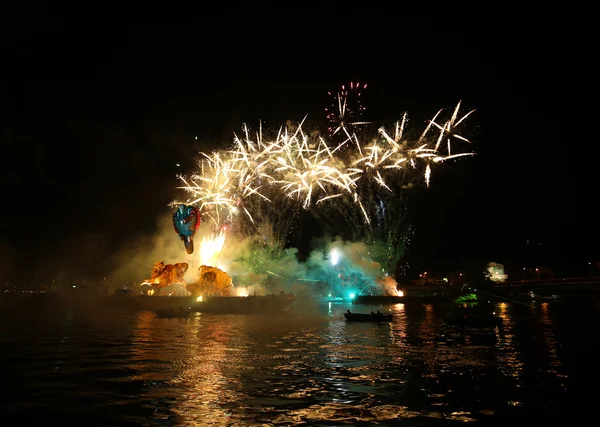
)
(98, 112)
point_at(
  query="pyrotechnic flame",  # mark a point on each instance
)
(211, 247)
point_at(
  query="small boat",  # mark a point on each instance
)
(363, 317)
(534, 296)
(475, 320)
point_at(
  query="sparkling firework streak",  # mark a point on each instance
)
(306, 168)
(346, 109)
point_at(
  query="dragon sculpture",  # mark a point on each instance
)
(164, 275)
(211, 281)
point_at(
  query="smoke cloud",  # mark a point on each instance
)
(258, 265)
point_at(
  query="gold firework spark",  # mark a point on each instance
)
(308, 169)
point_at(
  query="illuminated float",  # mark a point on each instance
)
(213, 292)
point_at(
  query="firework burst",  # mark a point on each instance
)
(346, 110)
(363, 187)
(308, 170)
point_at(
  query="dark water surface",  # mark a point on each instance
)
(304, 367)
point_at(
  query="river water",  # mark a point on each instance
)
(306, 366)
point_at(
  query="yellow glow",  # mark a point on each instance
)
(210, 249)
(503, 307)
(509, 353)
(242, 292)
(199, 299)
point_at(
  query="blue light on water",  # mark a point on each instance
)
(351, 296)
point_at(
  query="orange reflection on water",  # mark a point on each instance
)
(398, 326)
(195, 357)
(550, 339)
(398, 335)
(209, 378)
(506, 343)
(428, 331)
(144, 338)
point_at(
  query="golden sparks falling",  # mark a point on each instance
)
(308, 169)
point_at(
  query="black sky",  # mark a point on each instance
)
(97, 112)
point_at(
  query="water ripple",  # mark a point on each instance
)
(136, 369)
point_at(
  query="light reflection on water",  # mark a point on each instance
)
(549, 340)
(293, 368)
(508, 355)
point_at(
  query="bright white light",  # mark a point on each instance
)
(242, 292)
(334, 256)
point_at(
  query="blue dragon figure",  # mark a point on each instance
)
(186, 220)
